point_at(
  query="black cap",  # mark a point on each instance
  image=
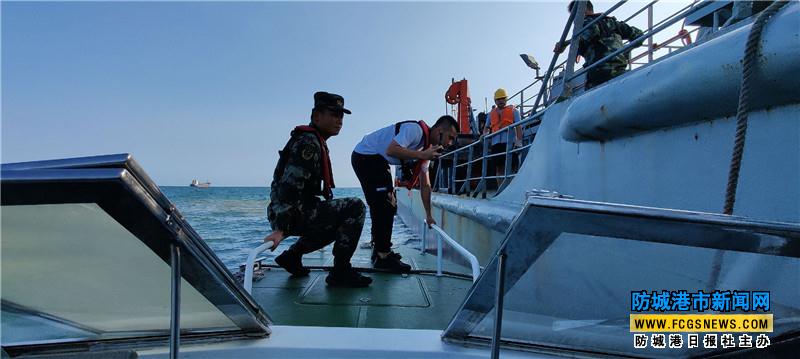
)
(330, 101)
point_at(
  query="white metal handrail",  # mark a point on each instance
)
(248, 269)
(442, 235)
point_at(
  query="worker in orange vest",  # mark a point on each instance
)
(501, 116)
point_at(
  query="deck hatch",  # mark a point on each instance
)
(393, 291)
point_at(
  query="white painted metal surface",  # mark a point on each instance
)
(248, 269)
(443, 236)
(661, 136)
(334, 342)
(691, 86)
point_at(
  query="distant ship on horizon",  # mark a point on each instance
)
(198, 184)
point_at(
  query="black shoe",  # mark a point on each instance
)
(292, 263)
(347, 278)
(391, 263)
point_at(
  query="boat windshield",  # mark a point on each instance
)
(574, 274)
(86, 256)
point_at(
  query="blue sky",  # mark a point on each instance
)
(210, 90)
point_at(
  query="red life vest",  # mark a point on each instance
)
(501, 118)
(414, 167)
(327, 172)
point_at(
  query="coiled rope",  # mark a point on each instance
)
(749, 62)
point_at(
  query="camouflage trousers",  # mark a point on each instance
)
(338, 221)
(603, 73)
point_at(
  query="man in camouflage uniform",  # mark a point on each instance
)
(295, 208)
(600, 40)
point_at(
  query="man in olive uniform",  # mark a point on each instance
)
(601, 39)
(295, 208)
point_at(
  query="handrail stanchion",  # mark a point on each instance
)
(498, 304)
(650, 28)
(453, 173)
(248, 269)
(469, 170)
(509, 155)
(485, 165)
(446, 180)
(438, 255)
(442, 236)
(175, 302)
(424, 238)
(549, 74)
(580, 9)
(437, 183)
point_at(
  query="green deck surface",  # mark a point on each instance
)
(415, 301)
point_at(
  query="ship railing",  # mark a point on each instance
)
(666, 44)
(456, 176)
(537, 100)
(249, 266)
(650, 51)
(532, 104)
(524, 104)
(441, 238)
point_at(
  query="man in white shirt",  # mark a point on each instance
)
(409, 144)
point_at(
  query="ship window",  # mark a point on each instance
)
(75, 264)
(86, 257)
(571, 268)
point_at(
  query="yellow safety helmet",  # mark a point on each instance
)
(500, 93)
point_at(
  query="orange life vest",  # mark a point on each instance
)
(412, 169)
(499, 120)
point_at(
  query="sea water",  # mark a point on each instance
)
(233, 220)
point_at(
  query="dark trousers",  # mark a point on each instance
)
(500, 161)
(602, 74)
(376, 182)
(338, 221)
